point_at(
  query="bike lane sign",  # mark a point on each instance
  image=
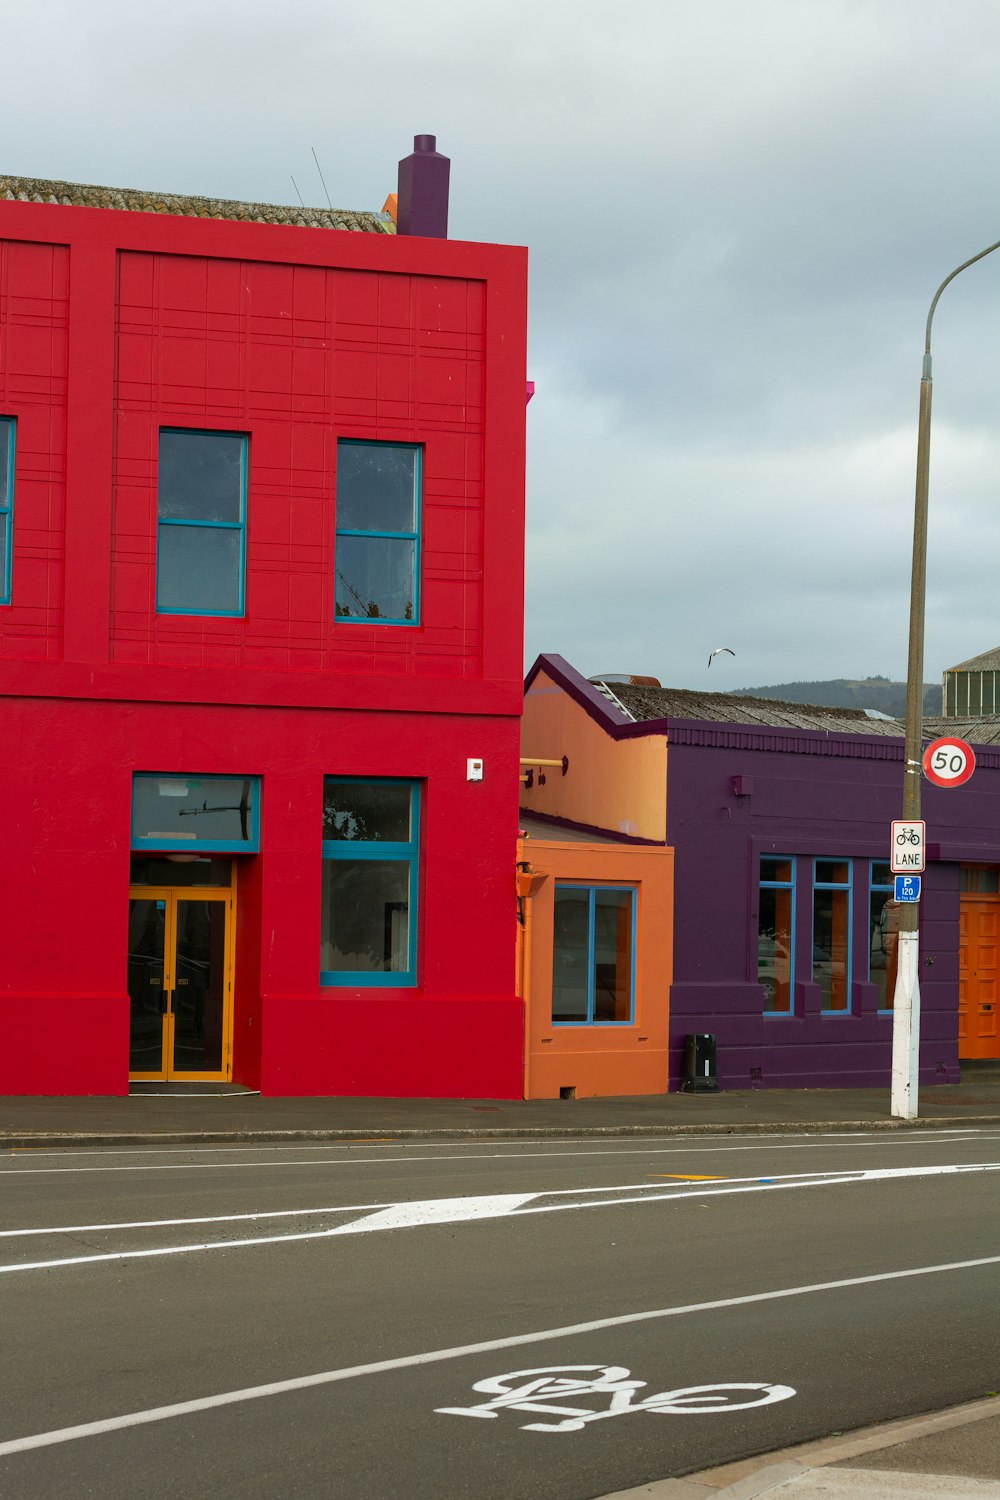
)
(908, 839)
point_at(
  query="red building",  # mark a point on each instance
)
(261, 536)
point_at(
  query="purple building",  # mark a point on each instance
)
(784, 919)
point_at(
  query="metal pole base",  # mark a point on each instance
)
(906, 1029)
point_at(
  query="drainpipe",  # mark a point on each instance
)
(524, 975)
(528, 882)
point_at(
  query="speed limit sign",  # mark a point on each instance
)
(949, 762)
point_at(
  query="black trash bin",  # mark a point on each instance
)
(699, 1076)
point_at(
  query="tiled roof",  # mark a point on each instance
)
(988, 662)
(134, 200)
(729, 708)
(646, 703)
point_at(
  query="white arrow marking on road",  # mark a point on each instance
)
(428, 1211)
(439, 1211)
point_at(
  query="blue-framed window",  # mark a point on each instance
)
(776, 933)
(201, 522)
(7, 426)
(883, 933)
(377, 563)
(593, 955)
(371, 835)
(195, 814)
(831, 946)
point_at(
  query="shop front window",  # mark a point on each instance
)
(369, 882)
(593, 952)
(775, 930)
(831, 951)
(883, 934)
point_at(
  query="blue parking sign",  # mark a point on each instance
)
(907, 887)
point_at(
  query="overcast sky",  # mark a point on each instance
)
(737, 214)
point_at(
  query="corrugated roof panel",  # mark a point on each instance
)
(725, 708)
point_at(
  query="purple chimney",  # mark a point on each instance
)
(422, 206)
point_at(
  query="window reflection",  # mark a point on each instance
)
(592, 955)
(370, 831)
(191, 812)
(774, 933)
(201, 516)
(378, 524)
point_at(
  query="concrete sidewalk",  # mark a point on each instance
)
(209, 1113)
(950, 1455)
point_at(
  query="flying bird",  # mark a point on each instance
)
(718, 652)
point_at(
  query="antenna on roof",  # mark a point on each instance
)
(297, 193)
(321, 177)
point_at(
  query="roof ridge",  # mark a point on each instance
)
(985, 661)
(188, 205)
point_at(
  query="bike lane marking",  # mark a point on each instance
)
(462, 1351)
(547, 1391)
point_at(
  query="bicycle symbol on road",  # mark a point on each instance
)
(547, 1392)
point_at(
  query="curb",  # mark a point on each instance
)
(748, 1478)
(26, 1139)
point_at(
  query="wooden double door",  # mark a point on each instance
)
(979, 941)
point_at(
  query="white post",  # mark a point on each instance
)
(906, 1028)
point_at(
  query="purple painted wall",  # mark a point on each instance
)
(831, 796)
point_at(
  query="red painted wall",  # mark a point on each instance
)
(297, 357)
(34, 322)
(112, 325)
(64, 893)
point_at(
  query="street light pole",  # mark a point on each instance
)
(906, 1000)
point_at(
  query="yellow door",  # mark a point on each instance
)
(180, 983)
(979, 930)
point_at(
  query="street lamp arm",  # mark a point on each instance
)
(937, 295)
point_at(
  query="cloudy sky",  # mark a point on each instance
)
(737, 214)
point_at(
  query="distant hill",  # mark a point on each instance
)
(845, 692)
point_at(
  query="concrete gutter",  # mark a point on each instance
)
(377, 1135)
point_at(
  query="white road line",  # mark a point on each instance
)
(403, 1207)
(278, 1213)
(416, 1213)
(462, 1351)
(920, 1137)
(681, 1189)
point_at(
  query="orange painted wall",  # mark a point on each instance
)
(594, 1060)
(620, 785)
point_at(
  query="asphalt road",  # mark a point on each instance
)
(481, 1319)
